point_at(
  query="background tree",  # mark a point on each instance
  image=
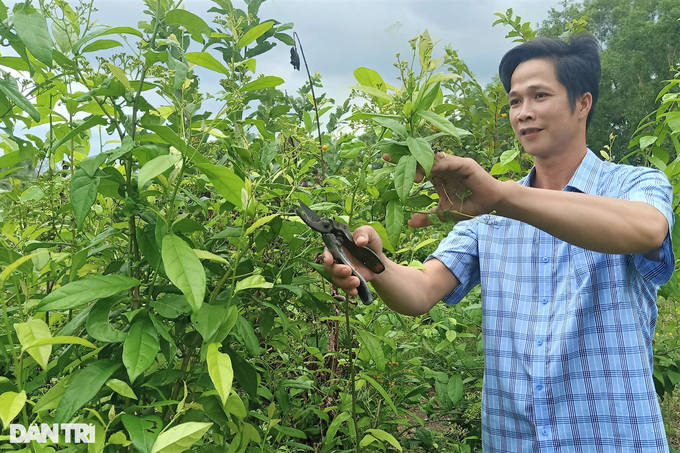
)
(641, 42)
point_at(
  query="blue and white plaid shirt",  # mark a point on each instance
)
(567, 331)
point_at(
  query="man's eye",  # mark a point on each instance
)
(514, 102)
(541, 95)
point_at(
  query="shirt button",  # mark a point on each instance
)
(544, 431)
(544, 300)
(545, 259)
(539, 341)
(539, 387)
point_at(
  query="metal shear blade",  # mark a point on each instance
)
(336, 236)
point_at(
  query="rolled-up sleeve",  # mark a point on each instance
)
(653, 187)
(459, 252)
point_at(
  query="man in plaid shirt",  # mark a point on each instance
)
(569, 263)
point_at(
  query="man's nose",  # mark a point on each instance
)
(525, 111)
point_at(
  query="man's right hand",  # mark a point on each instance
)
(341, 273)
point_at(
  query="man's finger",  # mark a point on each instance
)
(420, 174)
(419, 220)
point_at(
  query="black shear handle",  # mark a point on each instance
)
(340, 256)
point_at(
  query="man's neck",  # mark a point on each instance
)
(554, 172)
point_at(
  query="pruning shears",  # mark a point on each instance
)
(337, 237)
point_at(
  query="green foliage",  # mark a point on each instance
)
(639, 42)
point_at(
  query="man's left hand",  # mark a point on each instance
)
(465, 190)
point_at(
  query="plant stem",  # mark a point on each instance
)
(352, 375)
(9, 332)
(316, 111)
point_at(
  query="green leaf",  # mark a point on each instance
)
(87, 124)
(508, 156)
(11, 404)
(171, 306)
(209, 319)
(387, 437)
(442, 76)
(254, 33)
(16, 264)
(206, 60)
(374, 349)
(262, 83)
(367, 440)
(35, 329)
(384, 236)
(120, 75)
(205, 255)
(335, 426)
(63, 339)
(259, 222)
(247, 333)
(121, 388)
(370, 78)
(254, 281)
(394, 220)
(12, 92)
(367, 116)
(102, 44)
(220, 370)
(103, 32)
(392, 125)
(83, 194)
(647, 141)
(51, 399)
(180, 437)
(98, 325)
(421, 150)
(84, 387)
(140, 347)
(442, 124)
(32, 194)
(169, 136)
(244, 373)
(118, 438)
(156, 167)
(225, 181)
(292, 432)
(404, 176)
(184, 270)
(235, 406)
(425, 98)
(223, 329)
(85, 290)
(658, 163)
(32, 29)
(143, 431)
(455, 388)
(382, 392)
(383, 97)
(193, 23)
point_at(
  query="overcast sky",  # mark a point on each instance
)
(339, 36)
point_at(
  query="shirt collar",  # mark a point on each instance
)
(584, 178)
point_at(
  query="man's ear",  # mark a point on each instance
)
(584, 104)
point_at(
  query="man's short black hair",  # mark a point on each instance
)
(577, 64)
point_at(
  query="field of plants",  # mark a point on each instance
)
(162, 287)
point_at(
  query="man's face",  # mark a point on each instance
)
(540, 112)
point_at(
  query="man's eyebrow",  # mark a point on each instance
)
(530, 88)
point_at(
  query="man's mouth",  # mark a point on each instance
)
(530, 130)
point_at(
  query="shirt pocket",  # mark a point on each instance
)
(593, 281)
